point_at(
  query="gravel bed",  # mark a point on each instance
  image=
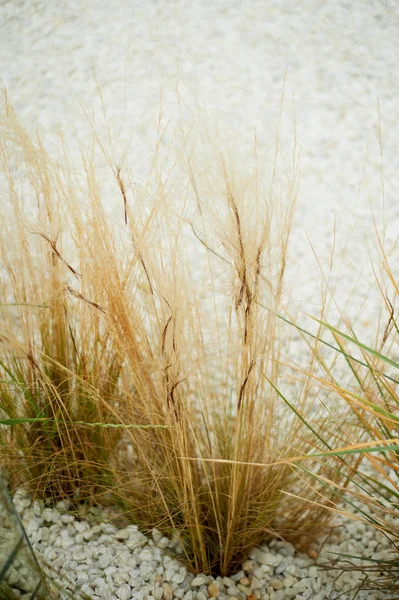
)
(93, 558)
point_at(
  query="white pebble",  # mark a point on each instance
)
(256, 584)
(158, 594)
(104, 561)
(313, 572)
(67, 519)
(177, 578)
(271, 560)
(122, 535)
(80, 557)
(98, 582)
(124, 592)
(199, 580)
(293, 570)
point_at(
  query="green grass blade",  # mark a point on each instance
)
(315, 337)
(353, 340)
(343, 497)
(24, 390)
(366, 450)
(348, 360)
(11, 558)
(379, 561)
(297, 413)
(36, 591)
(20, 421)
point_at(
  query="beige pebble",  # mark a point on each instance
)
(276, 584)
(213, 590)
(167, 592)
(248, 566)
(289, 581)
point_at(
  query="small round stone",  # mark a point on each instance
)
(199, 580)
(213, 590)
(276, 584)
(124, 592)
(167, 592)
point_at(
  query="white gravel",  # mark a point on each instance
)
(92, 558)
(227, 59)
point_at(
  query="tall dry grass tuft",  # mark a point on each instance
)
(141, 355)
(58, 364)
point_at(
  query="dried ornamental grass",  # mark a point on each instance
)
(141, 357)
